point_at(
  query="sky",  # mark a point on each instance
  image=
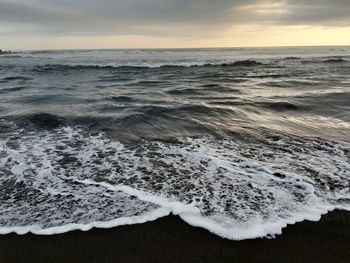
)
(84, 24)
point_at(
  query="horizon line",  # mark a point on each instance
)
(179, 48)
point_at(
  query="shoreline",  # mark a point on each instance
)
(170, 239)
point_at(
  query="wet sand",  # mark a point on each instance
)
(171, 240)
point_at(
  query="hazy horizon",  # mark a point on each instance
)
(176, 48)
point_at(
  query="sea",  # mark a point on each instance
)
(239, 141)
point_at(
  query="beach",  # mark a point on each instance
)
(167, 131)
(172, 240)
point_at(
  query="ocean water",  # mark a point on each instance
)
(240, 142)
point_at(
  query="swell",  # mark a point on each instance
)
(152, 111)
(282, 106)
(42, 121)
(184, 110)
(326, 60)
(133, 124)
(15, 78)
(63, 67)
(13, 89)
(336, 60)
(127, 68)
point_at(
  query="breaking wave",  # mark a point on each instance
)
(56, 67)
(65, 178)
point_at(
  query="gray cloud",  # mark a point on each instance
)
(121, 16)
(162, 17)
(318, 12)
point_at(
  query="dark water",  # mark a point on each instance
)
(238, 141)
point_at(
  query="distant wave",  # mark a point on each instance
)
(13, 89)
(240, 63)
(336, 60)
(11, 56)
(12, 78)
(326, 60)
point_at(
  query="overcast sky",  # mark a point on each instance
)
(35, 24)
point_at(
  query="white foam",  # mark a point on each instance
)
(220, 226)
(66, 179)
(38, 230)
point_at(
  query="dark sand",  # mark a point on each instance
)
(171, 240)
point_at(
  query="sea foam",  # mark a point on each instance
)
(58, 180)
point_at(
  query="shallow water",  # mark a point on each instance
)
(238, 141)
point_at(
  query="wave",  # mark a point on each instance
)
(326, 60)
(241, 63)
(180, 65)
(42, 121)
(13, 89)
(11, 56)
(55, 67)
(336, 60)
(121, 99)
(185, 91)
(14, 78)
(184, 110)
(280, 106)
(238, 188)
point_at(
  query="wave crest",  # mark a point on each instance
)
(56, 67)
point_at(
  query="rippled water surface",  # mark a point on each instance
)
(238, 141)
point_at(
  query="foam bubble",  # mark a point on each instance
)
(63, 179)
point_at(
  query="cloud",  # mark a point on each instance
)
(162, 17)
(318, 12)
(121, 16)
